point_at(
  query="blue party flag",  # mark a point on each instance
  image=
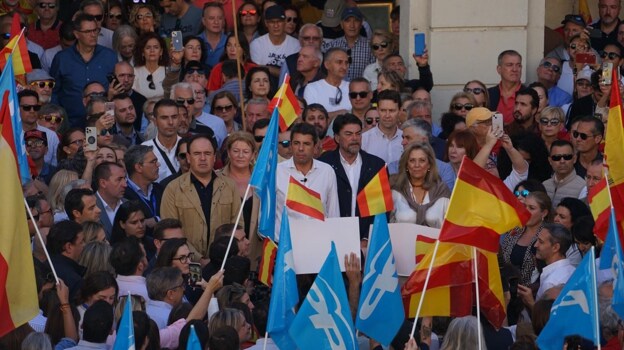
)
(125, 332)
(193, 341)
(611, 257)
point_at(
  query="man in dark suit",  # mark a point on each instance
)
(110, 183)
(354, 168)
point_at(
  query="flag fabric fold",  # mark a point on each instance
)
(614, 144)
(611, 257)
(376, 197)
(304, 200)
(577, 301)
(267, 262)
(18, 47)
(599, 203)
(324, 320)
(284, 293)
(263, 178)
(125, 333)
(287, 103)
(380, 313)
(481, 209)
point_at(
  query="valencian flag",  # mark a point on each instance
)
(304, 200)
(17, 46)
(600, 204)
(481, 209)
(288, 105)
(125, 333)
(376, 197)
(18, 292)
(614, 150)
(611, 257)
(267, 262)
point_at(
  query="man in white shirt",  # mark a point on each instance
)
(314, 174)
(129, 260)
(551, 246)
(110, 181)
(385, 139)
(164, 145)
(333, 91)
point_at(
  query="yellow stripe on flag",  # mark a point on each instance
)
(437, 302)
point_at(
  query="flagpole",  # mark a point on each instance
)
(238, 64)
(43, 245)
(595, 301)
(266, 336)
(240, 212)
(476, 277)
(606, 175)
(422, 294)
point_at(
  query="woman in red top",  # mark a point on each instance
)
(232, 51)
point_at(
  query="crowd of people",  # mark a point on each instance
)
(142, 148)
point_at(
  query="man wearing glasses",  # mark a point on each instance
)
(95, 8)
(143, 166)
(564, 182)
(37, 147)
(588, 135)
(29, 106)
(548, 73)
(360, 95)
(42, 83)
(333, 91)
(202, 122)
(309, 35)
(124, 74)
(45, 31)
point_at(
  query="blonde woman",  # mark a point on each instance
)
(58, 181)
(382, 44)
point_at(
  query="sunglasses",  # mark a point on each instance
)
(611, 55)
(223, 109)
(95, 94)
(291, 19)
(78, 143)
(106, 132)
(578, 47)
(36, 217)
(549, 65)
(181, 101)
(356, 94)
(582, 135)
(546, 121)
(151, 85)
(583, 84)
(28, 108)
(49, 5)
(55, 119)
(35, 143)
(558, 157)
(338, 97)
(474, 91)
(523, 193)
(182, 156)
(194, 70)
(259, 138)
(113, 16)
(370, 120)
(98, 18)
(310, 38)
(147, 15)
(459, 106)
(43, 84)
(285, 143)
(248, 12)
(381, 45)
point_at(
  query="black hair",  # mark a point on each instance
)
(260, 124)
(237, 270)
(217, 250)
(224, 338)
(163, 225)
(529, 92)
(123, 214)
(73, 201)
(390, 95)
(97, 282)
(344, 119)
(141, 328)
(168, 251)
(97, 322)
(210, 138)
(126, 256)
(304, 129)
(201, 330)
(61, 233)
(103, 172)
(27, 93)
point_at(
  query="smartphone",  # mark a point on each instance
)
(607, 73)
(586, 58)
(91, 137)
(497, 122)
(195, 273)
(419, 44)
(176, 40)
(110, 107)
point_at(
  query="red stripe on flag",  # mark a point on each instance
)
(305, 209)
(487, 238)
(6, 322)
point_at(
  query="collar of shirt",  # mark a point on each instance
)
(291, 165)
(106, 206)
(356, 162)
(565, 180)
(138, 190)
(381, 134)
(195, 181)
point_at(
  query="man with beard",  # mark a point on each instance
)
(317, 116)
(42, 83)
(354, 168)
(525, 108)
(122, 84)
(608, 10)
(125, 116)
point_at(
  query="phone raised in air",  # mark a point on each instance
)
(419, 44)
(176, 40)
(497, 122)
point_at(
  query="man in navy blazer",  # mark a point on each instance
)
(354, 168)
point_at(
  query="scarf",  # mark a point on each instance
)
(439, 190)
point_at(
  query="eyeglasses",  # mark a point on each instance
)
(259, 138)
(106, 132)
(181, 286)
(338, 97)
(147, 15)
(370, 121)
(285, 143)
(310, 38)
(291, 19)
(356, 94)
(182, 101)
(95, 31)
(28, 108)
(182, 155)
(381, 45)
(35, 143)
(153, 161)
(474, 91)
(36, 217)
(578, 47)
(248, 12)
(549, 65)
(151, 85)
(195, 70)
(185, 258)
(114, 16)
(95, 94)
(223, 109)
(54, 119)
(582, 135)
(523, 193)
(43, 84)
(78, 143)
(43, 5)
(611, 55)
(546, 121)
(558, 157)
(583, 83)
(459, 106)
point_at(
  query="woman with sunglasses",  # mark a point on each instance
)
(479, 92)
(234, 49)
(115, 16)
(371, 119)
(224, 106)
(462, 103)
(382, 44)
(144, 18)
(293, 22)
(551, 125)
(249, 20)
(130, 222)
(579, 44)
(523, 188)
(150, 58)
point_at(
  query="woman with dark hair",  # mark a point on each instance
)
(130, 222)
(258, 83)
(583, 234)
(194, 49)
(567, 213)
(175, 253)
(523, 188)
(249, 20)
(97, 286)
(293, 20)
(534, 152)
(71, 142)
(115, 15)
(233, 49)
(150, 59)
(225, 106)
(451, 122)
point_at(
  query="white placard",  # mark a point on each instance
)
(311, 241)
(403, 237)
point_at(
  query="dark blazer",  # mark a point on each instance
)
(370, 167)
(108, 226)
(494, 94)
(157, 192)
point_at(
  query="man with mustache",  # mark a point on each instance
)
(525, 108)
(609, 12)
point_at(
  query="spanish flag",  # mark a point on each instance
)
(267, 262)
(17, 46)
(18, 292)
(376, 197)
(614, 150)
(584, 11)
(288, 104)
(304, 200)
(481, 209)
(424, 244)
(600, 205)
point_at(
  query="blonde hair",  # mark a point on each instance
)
(58, 181)
(432, 177)
(95, 257)
(226, 317)
(552, 111)
(459, 95)
(90, 230)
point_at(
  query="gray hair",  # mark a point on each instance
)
(135, 155)
(37, 341)
(559, 235)
(418, 105)
(420, 126)
(181, 85)
(317, 52)
(121, 32)
(70, 186)
(92, 101)
(462, 333)
(308, 26)
(161, 280)
(257, 101)
(53, 108)
(609, 321)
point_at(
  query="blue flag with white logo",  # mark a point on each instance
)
(263, 178)
(611, 257)
(125, 332)
(577, 301)
(324, 320)
(193, 342)
(284, 293)
(380, 313)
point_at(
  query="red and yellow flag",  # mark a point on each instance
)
(376, 197)
(289, 109)
(17, 46)
(304, 200)
(614, 150)
(424, 244)
(584, 11)
(267, 262)
(18, 292)
(481, 209)
(600, 205)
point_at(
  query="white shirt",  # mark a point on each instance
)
(110, 212)
(434, 216)
(270, 344)
(132, 284)
(323, 93)
(265, 53)
(159, 312)
(375, 142)
(321, 178)
(353, 174)
(553, 275)
(141, 84)
(163, 170)
(105, 38)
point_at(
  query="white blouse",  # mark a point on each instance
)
(404, 213)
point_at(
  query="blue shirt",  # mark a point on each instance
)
(72, 73)
(558, 97)
(212, 56)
